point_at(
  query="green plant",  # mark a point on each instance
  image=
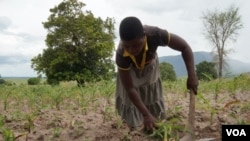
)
(107, 114)
(57, 97)
(174, 112)
(2, 120)
(242, 122)
(77, 127)
(126, 138)
(57, 132)
(5, 95)
(167, 130)
(8, 135)
(210, 108)
(214, 109)
(119, 121)
(107, 89)
(84, 99)
(30, 117)
(245, 107)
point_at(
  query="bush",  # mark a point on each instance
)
(34, 81)
(2, 81)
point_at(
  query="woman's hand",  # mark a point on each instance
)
(149, 123)
(192, 83)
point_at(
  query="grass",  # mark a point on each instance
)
(23, 104)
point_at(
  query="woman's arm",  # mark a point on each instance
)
(179, 44)
(135, 98)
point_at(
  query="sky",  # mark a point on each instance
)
(22, 35)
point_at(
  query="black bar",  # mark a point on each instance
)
(235, 133)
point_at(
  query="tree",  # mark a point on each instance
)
(79, 46)
(167, 71)
(220, 29)
(206, 70)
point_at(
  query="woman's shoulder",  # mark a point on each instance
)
(156, 36)
(149, 29)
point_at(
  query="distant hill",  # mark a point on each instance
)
(235, 66)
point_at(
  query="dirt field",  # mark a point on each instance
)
(97, 121)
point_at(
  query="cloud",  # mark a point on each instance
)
(4, 23)
(20, 44)
(13, 60)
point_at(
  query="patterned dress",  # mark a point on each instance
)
(146, 79)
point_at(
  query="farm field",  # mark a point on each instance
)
(70, 113)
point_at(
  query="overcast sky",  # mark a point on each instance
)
(22, 34)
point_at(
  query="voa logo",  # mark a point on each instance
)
(236, 132)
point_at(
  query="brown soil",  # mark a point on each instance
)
(98, 122)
